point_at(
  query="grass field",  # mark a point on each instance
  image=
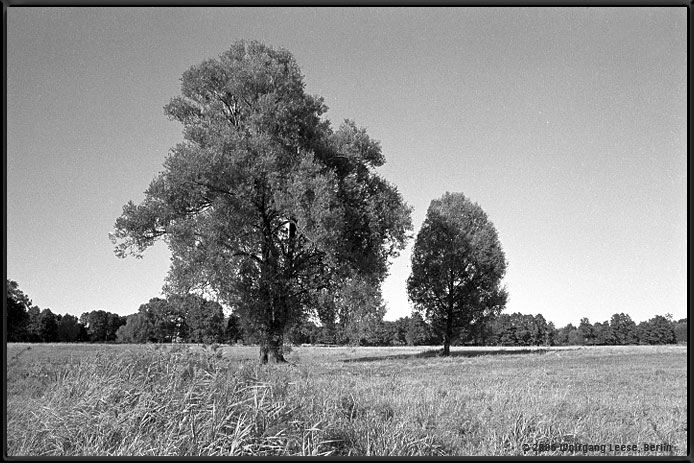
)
(188, 400)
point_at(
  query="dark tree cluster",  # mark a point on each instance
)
(176, 319)
(406, 331)
(26, 322)
(194, 319)
(527, 330)
(518, 329)
(188, 318)
(514, 329)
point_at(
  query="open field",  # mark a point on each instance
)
(189, 400)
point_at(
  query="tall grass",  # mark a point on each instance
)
(161, 402)
(219, 402)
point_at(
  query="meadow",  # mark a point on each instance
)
(146, 400)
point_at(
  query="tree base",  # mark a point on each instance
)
(271, 355)
(265, 359)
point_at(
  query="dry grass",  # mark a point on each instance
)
(143, 400)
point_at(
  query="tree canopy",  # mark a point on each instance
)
(457, 267)
(263, 203)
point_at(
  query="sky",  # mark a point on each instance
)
(568, 126)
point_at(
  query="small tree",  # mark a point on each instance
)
(457, 267)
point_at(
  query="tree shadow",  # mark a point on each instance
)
(437, 353)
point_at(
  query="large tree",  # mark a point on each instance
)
(264, 204)
(457, 267)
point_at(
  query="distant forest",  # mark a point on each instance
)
(194, 319)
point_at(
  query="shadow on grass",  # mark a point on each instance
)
(437, 353)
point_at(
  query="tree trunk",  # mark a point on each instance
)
(271, 349)
(446, 345)
(448, 334)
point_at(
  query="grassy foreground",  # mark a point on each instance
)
(185, 400)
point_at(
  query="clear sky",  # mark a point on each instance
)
(567, 126)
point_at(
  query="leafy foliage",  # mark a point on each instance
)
(69, 328)
(47, 326)
(587, 331)
(163, 321)
(352, 312)
(418, 332)
(264, 204)
(457, 267)
(657, 330)
(16, 316)
(519, 330)
(101, 325)
(623, 329)
(681, 331)
(204, 320)
(136, 330)
(514, 329)
(232, 331)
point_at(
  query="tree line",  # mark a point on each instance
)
(505, 330)
(26, 322)
(194, 319)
